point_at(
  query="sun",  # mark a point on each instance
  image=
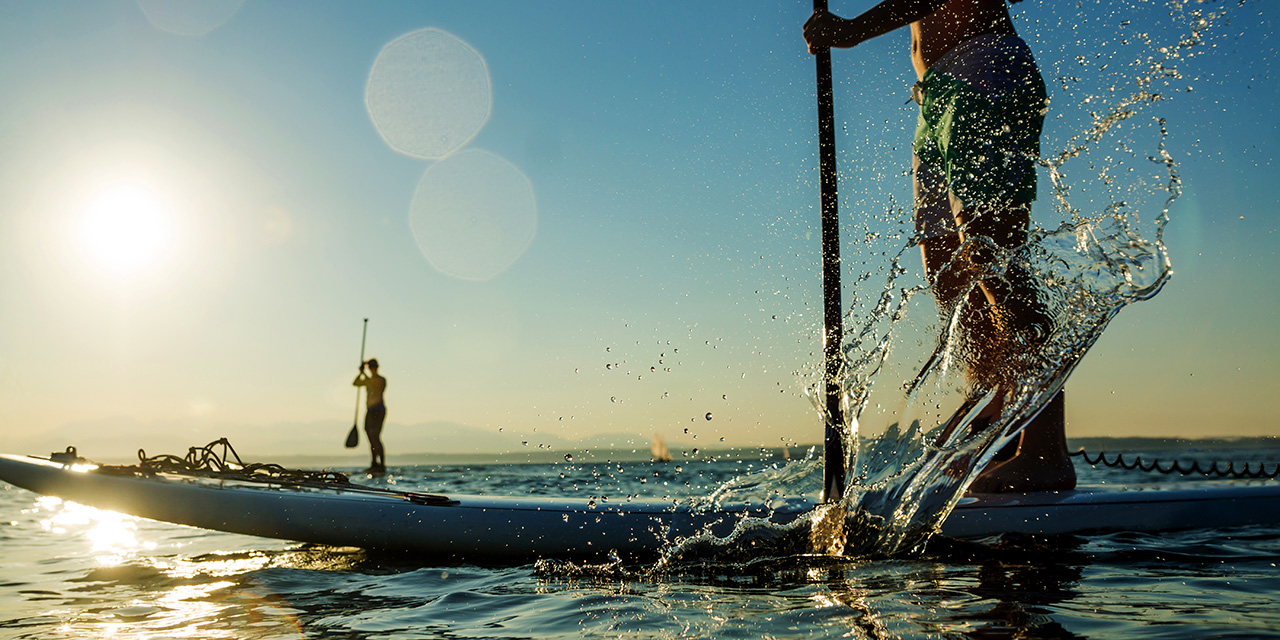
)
(126, 229)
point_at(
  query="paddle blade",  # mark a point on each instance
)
(353, 438)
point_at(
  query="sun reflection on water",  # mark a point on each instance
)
(156, 593)
(231, 565)
(113, 537)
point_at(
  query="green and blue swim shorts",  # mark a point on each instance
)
(982, 106)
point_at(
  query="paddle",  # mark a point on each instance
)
(353, 436)
(833, 334)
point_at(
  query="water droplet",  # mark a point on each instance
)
(567, 458)
(708, 415)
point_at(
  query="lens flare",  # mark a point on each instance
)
(429, 94)
(473, 215)
(192, 18)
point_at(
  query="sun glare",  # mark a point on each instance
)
(126, 229)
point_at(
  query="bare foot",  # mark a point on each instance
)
(1039, 460)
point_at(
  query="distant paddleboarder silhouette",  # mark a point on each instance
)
(375, 413)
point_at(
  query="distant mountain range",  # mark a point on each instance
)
(119, 439)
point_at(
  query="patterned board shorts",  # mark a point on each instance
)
(982, 106)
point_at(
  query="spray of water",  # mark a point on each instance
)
(1100, 259)
(910, 461)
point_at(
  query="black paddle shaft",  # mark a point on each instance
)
(364, 333)
(833, 331)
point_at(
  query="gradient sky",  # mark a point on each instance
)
(671, 282)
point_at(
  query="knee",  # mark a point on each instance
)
(945, 268)
(1003, 226)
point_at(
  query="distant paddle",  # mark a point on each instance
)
(833, 446)
(353, 436)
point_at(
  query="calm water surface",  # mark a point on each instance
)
(73, 572)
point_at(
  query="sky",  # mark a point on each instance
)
(569, 224)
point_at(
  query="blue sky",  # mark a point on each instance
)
(673, 272)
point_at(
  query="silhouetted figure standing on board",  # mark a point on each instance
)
(982, 106)
(376, 413)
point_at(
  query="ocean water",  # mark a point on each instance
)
(68, 571)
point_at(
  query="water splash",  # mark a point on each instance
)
(767, 485)
(912, 459)
(1100, 259)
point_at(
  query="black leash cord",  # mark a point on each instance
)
(225, 463)
(1213, 470)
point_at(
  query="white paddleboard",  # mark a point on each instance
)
(482, 527)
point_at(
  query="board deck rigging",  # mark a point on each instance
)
(519, 528)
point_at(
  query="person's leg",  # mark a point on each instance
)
(1010, 290)
(980, 122)
(1005, 313)
(372, 436)
(951, 279)
(373, 429)
(378, 458)
(935, 227)
(947, 276)
(1037, 460)
(382, 452)
(951, 282)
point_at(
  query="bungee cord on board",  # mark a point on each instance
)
(225, 464)
(208, 460)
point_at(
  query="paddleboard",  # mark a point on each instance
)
(526, 527)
